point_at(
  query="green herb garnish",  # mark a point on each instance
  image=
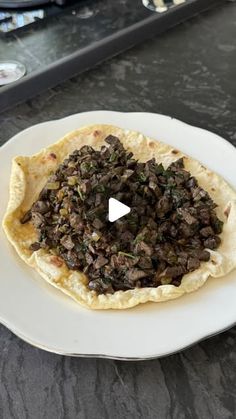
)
(139, 238)
(128, 255)
(112, 157)
(159, 169)
(142, 177)
(87, 166)
(100, 188)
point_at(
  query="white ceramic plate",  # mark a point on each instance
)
(46, 318)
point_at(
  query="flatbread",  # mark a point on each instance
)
(29, 175)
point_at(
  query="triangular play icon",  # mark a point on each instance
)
(116, 209)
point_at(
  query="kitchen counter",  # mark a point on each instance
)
(188, 73)
(77, 37)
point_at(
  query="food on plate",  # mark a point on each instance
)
(181, 228)
(171, 224)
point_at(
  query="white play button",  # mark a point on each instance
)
(116, 209)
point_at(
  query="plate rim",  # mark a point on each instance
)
(111, 357)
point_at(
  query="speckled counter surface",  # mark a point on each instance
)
(188, 73)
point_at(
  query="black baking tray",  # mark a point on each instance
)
(149, 24)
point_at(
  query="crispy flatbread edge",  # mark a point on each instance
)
(29, 175)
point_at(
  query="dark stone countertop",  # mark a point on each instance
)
(80, 25)
(188, 73)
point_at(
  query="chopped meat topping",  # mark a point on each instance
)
(171, 225)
